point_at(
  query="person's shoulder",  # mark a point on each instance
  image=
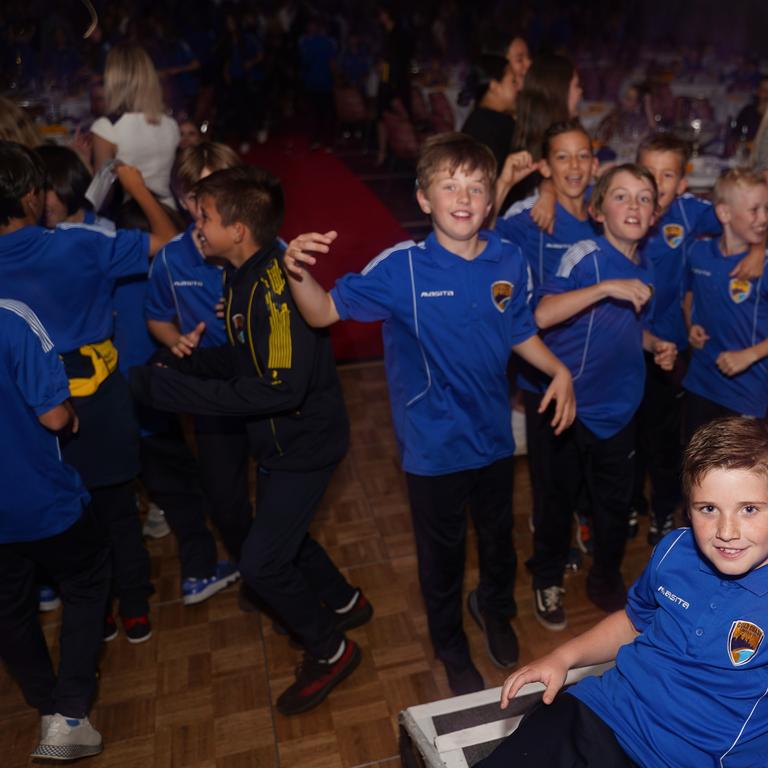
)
(16, 318)
(394, 255)
(677, 542)
(521, 210)
(69, 229)
(693, 203)
(575, 256)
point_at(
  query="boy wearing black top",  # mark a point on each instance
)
(279, 375)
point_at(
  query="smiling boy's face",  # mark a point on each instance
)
(667, 168)
(729, 516)
(570, 164)
(628, 209)
(218, 239)
(745, 213)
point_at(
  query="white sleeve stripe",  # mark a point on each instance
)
(521, 206)
(388, 252)
(89, 227)
(25, 313)
(744, 725)
(574, 255)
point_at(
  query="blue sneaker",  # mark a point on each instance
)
(197, 590)
(47, 599)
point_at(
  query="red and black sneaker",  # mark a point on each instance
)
(137, 629)
(315, 679)
(110, 628)
(357, 614)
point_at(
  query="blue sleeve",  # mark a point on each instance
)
(705, 221)
(369, 295)
(159, 302)
(522, 324)
(125, 254)
(641, 598)
(38, 371)
(514, 228)
(581, 275)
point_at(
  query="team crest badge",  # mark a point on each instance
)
(743, 641)
(739, 290)
(238, 321)
(501, 293)
(673, 235)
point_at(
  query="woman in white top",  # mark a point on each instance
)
(136, 130)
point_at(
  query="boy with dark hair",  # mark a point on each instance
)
(688, 688)
(278, 374)
(45, 522)
(454, 307)
(682, 219)
(727, 316)
(67, 276)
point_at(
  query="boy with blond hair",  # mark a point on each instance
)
(728, 316)
(454, 307)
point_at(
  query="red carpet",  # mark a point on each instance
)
(322, 194)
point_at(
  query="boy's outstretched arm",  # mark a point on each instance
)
(734, 361)
(314, 302)
(161, 227)
(534, 351)
(595, 646)
(556, 308)
(752, 265)
(516, 167)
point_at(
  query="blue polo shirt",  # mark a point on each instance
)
(603, 345)
(692, 689)
(41, 496)
(449, 326)
(666, 245)
(542, 250)
(67, 276)
(734, 313)
(185, 288)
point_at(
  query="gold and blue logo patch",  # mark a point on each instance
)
(501, 293)
(743, 641)
(673, 234)
(739, 290)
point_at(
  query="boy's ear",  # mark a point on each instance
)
(423, 201)
(595, 214)
(238, 231)
(723, 213)
(33, 203)
(682, 185)
(544, 169)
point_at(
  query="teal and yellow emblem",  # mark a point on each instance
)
(743, 641)
(673, 234)
(739, 290)
(501, 293)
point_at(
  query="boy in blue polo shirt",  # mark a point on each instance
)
(689, 685)
(592, 310)
(728, 317)
(453, 307)
(682, 219)
(45, 522)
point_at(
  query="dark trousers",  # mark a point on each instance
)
(286, 567)
(659, 438)
(78, 561)
(439, 511)
(563, 734)
(172, 479)
(223, 459)
(114, 511)
(700, 411)
(577, 457)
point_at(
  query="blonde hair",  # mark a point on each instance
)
(745, 178)
(15, 125)
(131, 83)
(192, 161)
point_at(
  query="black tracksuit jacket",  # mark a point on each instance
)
(277, 372)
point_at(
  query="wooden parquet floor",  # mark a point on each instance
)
(200, 693)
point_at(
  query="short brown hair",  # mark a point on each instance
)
(455, 150)
(249, 195)
(192, 161)
(732, 442)
(604, 182)
(735, 177)
(572, 125)
(667, 142)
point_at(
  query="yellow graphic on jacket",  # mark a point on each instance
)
(103, 357)
(280, 346)
(739, 290)
(276, 278)
(743, 641)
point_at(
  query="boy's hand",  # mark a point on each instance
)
(751, 266)
(517, 166)
(74, 420)
(697, 336)
(664, 354)
(188, 342)
(220, 307)
(548, 670)
(300, 250)
(633, 290)
(543, 212)
(560, 390)
(735, 361)
(130, 178)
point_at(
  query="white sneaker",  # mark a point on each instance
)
(68, 738)
(155, 526)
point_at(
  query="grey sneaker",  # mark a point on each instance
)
(155, 526)
(68, 738)
(548, 607)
